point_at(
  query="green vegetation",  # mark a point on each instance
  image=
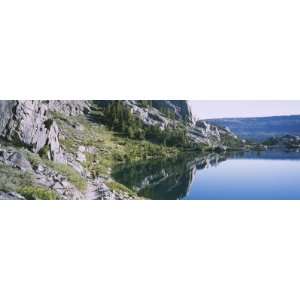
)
(38, 193)
(119, 118)
(118, 187)
(14, 180)
(109, 148)
(44, 152)
(232, 143)
(145, 103)
(73, 176)
(168, 113)
(11, 179)
(121, 151)
(33, 158)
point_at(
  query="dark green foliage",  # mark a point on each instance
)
(38, 193)
(145, 103)
(48, 123)
(44, 152)
(169, 113)
(119, 118)
(168, 137)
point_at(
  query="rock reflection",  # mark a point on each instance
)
(165, 179)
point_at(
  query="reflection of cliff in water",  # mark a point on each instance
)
(165, 179)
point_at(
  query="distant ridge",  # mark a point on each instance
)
(260, 128)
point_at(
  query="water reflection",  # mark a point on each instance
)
(173, 178)
(164, 179)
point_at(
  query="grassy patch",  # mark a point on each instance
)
(118, 187)
(73, 176)
(59, 116)
(34, 159)
(38, 193)
(11, 179)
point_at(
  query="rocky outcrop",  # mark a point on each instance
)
(211, 135)
(14, 159)
(180, 108)
(157, 112)
(69, 107)
(53, 180)
(98, 190)
(6, 112)
(41, 174)
(10, 196)
(28, 123)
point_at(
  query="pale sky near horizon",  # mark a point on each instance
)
(226, 109)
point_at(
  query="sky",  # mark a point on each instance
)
(242, 109)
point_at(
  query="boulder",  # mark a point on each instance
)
(15, 159)
(19, 161)
(10, 196)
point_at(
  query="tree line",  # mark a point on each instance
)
(118, 117)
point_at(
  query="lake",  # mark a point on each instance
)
(241, 175)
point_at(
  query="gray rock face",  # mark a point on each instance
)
(181, 108)
(19, 161)
(211, 135)
(10, 196)
(6, 112)
(14, 159)
(148, 115)
(28, 123)
(154, 114)
(68, 107)
(98, 190)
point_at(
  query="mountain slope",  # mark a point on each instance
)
(176, 115)
(67, 150)
(262, 128)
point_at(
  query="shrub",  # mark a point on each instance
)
(38, 193)
(44, 152)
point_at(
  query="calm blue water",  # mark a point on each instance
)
(267, 175)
